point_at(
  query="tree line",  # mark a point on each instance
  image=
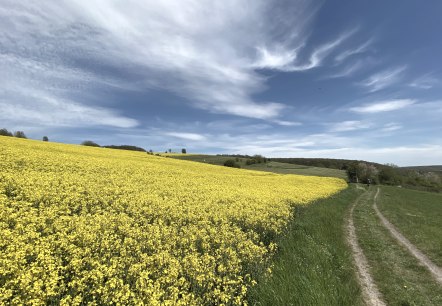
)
(90, 143)
(18, 134)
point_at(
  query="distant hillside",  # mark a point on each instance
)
(263, 164)
(427, 178)
(341, 164)
(434, 168)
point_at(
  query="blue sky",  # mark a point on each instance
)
(337, 79)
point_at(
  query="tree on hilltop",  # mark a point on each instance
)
(5, 132)
(20, 134)
(90, 143)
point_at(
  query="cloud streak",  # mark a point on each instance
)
(425, 82)
(358, 50)
(287, 60)
(186, 136)
(350, 125)
(382, 106)
(349, 70)
(383, 79)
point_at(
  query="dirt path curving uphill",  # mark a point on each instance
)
(421, 257)
(370, 291)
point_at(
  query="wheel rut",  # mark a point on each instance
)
(435, 270)
(370, 291)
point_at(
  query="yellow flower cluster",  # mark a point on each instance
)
(81, 225)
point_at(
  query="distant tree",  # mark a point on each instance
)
(250, 161)
(389, 176)
(170, 150)
(259, 158)
(20, 134)
(231, 163)
(89, 143)
(5, 132)
(184, 151)
(45, 138)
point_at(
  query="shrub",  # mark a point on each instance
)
(45, 138)
(250, 161)
(231, 163)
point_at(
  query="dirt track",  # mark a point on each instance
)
(421, 257)
(371, 293)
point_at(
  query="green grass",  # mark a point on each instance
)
(417, 215)
(313, 265)
(399, 277)
(272, 166)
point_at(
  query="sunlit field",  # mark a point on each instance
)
(94, 225)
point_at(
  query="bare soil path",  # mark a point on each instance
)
(435, 270)
(370, 291)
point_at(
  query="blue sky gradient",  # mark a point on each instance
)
(336, 79)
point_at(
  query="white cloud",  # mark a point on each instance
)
(346, 126)
(349, 70)
(358, 50)
(58, 112)
(383, 106)
(318, 55)
(274, 59)
(287, 123)
(187, 136)
(425, 82)
(390, 127)
(383, 79)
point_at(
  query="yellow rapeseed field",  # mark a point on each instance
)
(82, 225)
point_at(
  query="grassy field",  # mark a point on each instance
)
(417, 215)
(313, 265)
(400, 278)
(272, 166)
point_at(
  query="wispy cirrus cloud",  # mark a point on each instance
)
(358, 50)
(288, 60)
(287, 123)
(74, 50)
(59, 112)
(383, 79)
(382, 106)
(425, 82)
(390, 127)
(350, 125)
(186, 136)
(151, 44)
(351, 69)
